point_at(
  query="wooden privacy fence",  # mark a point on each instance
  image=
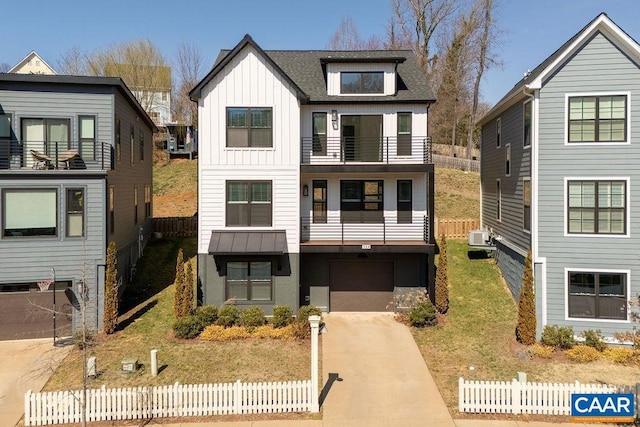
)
(455, 228)
(456, 163)
(178, 400)
(176, 226)
(517, 397)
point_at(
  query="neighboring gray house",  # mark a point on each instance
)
(560, 171)
(315, 180)
(75, 174)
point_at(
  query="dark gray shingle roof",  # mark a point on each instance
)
(306, 70)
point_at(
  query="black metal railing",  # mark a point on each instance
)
(54, 155)
(343, 150)
(386, 228)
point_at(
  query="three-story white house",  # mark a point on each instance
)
(315, 180)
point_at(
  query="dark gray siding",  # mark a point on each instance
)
(598, 67)
(211, 284)
(511, 224)
(126, 175)
(511, 264)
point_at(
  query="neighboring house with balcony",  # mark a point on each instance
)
(315, 181)
(32, 64)
(75, 174)
(559, 176)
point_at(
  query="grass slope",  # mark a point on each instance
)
(457, 194)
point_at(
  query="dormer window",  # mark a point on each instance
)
(361, 82)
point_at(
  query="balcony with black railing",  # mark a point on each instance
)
(54, 155)
(322, 150)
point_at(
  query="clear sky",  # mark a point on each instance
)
(531, 29)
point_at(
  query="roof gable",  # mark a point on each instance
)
(536, 78)
(31, 55)
(223, 61)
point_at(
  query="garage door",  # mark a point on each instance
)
(26, 312)
(361, 285)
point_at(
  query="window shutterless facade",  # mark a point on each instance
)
(319, 133)
(405, 201)
(141, 136)
(135, 204)
(597, 295)
(507, 160)
(147, 201)
(361, 201)
(249, 281)
(526, 202)
(361, 82)
(498, 200)
(132, 143)
(75, 212)
(597, 207)
(118, 144)
(498, 131)
(29, 212)
(87, 134)
(404, 134)
(46, 135)
(112, 210)
(319, 201)
(249, 127)
(248, 203)
(597, 118)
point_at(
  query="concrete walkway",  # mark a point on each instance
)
(24, 365)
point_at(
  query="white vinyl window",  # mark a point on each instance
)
(29, 213)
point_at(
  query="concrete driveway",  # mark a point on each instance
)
(24, 365)
(376, 375)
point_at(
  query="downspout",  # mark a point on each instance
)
(533, 95)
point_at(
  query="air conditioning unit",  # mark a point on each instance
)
(478, 238)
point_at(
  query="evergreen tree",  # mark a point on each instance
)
(187, 295)
(179, 286)
(526, 327)
(111, 291)
(442, 280)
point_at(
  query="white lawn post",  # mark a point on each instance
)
(314, 321)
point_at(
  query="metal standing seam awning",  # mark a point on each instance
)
(272, 242)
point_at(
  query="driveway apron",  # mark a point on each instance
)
(374, 375)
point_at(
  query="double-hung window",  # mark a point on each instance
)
(75, 212)
(249, 127)
(404, 134)
(526, 137)
(405, 201)
(249, 281)
(319, 134)
(87, 135)
(597, 295)
(526, 202)
(597, 207)
(29, 212)
(597, 118)
(249, 203)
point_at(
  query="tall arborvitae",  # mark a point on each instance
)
(179, 286)
(442, 280)
(526, 327)
(187, 294)
(111, 291)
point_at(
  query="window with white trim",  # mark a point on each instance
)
(498, 131)
(596, 207)
(526, 125)
(507, 160)
(249, 127)
(498, 200)
(597, 118)
(75, 212)
(597, 295)
(526, 203)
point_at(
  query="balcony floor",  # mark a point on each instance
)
(379, 246)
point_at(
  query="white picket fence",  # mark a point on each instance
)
(178, 400)
(504, 397)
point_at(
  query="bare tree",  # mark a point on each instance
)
(190, 67)
(140, 64)
(347, 37)
(4, 67)
(73, 62)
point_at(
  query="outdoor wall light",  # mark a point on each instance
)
(334, 119)
(305, 190)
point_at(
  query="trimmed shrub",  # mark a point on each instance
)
(282, 316)
(442, 280)
(178, 305)
(220, 333)
(558, 336)
(423, 314)
(228, 316)
(308, 310)
(622, 355)
(526, 326)
(188, 327)
(252, 316)
(188, 306)
(208, 314)
(110, 320)
(594, 338)
(269, 331)
(583, 354)
(542, 351)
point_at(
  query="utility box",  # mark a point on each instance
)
(129, 365)
(91, 367)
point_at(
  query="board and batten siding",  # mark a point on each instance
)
(511, 224)
(248, 81)
(598, 67)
